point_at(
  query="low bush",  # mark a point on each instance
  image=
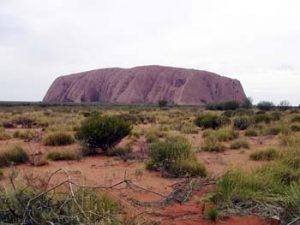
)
(13, 155)
(4, 135)
(175, 156)
(295, 127)
(212, 215)
(275, 116)
(265, 105)
(153, 135)
(262, 118)
(64, 154)
(211, 121)
(273, 130)
(103, 131)
(212, 144)
(228, 105)
(226, 134)
(58, 139)
(25, 135)
(295, 119)
(264, 155)
(251, 133)
(238, 144)
(242, 122)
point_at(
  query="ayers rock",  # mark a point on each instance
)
(145, 85)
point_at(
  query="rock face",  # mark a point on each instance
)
(145, 85)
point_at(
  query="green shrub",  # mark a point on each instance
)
(251, 133)
(226, 134)
(264, 155)
(175, 155)
(211, 121)
(64, 154)
(273, 130)
(26, 135)
(262, 118)
(103, 131)
(238, 144)
(212, 215)
(295, 119)
(265, 105)
(242, 122)
(14, 154)
(212, 144)
(3, 135)
(58, 139)
(228, 105)
(295, 127)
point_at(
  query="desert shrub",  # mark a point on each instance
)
(27, 135)
(265, 105)
(103, 131)
(273, 130)
(122, 152)
(212, 144)
(24, 121)
(153, 135)
(259, 118)
(295, 127)
(295, 119)
(275, 116)
(211, 121)
(175, 155)
(64, 154)
(212, 214)
(131, 118)
(251, 133)
(187, 128)
(242, 143)
(228, 105)
(3, 134)
(14, 154)
(8, 124)
(58, 139)
(264, 155)
(162, 103)
(242, 122)
(226, 134)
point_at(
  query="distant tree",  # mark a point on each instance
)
(284, 105)
(162, 103)
(265, 105)
(247, 103)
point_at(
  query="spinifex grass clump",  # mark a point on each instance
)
(265, 155)
(238, 144)
(58, 139)
(103, 131)
(64, 154)
(176, 157)
(212, 144)
(13, 155)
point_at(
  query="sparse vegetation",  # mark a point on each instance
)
(238, 144)
(264, 155)
(64, 154)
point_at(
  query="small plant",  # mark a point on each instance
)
(251, 133)
(212, 215)
(58, 139)
(265, 155)
(3, 134)
(295, 127)
(211, 121)
(226, 134)
(242, 122)
(14, 154)
(212, 144)
(103, 131)
(153, 135)
(64, 154)
(238, 144)
(175, 156)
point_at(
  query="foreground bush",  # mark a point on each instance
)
(211, 121)
(175, 156)
(64, 154)
(14, 154)
(103, 131)
(58, 139)
(264, 155)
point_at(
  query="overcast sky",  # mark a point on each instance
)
(257, 41)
